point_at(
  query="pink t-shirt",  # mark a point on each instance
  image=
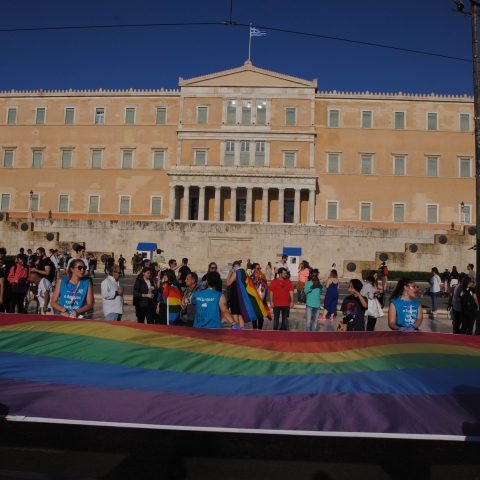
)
(303, 275)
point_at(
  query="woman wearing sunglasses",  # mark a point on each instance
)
(405, 311)
(73, 295)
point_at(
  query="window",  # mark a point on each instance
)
(367, 116)
(432, 121)
(332, 210)
(333, 163)
(259, 154)
(290, 116)
(158, 159)
(130, 115)
(5, 202)
(432, 166)
(334, 118)
(127, 159)
(366, 164)
(124, 204)
(161, 117)
(35, 202)
(399, 120)
(466, 214)
(63, 201)
(99, 116)
(66, 158)
(8, 158)
(432, 213)
(96, 158)
(398, 212)
(40, 116)
(93, 204)
(156, 206)
(289, 159)
(244, 152)
(200, 157)
(231, 112)
(229, 157)
(365, 211)
(399, 165)
(261, 112)
(12, 116)
(202, 114)
(465, 167)
(246, 112)
(37, 158)
(69, 115)
(464, 122)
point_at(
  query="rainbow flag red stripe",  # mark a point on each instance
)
(415, 385)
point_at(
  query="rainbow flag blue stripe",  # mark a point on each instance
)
(395, 384)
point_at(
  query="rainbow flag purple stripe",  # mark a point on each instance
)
(419, 385)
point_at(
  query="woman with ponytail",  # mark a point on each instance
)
(405, 311)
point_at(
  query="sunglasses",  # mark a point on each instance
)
(81, 267)
(213, 268)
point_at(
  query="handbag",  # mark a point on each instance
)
(374, 309)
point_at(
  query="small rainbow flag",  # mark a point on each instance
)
(172, 296)
(381, 384)
(251, 304)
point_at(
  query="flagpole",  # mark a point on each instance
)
(249, 41)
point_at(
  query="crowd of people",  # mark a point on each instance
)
(172, 293)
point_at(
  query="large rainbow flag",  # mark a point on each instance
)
(393, 384)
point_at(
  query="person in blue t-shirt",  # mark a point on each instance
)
(405, 311)
(210, 305)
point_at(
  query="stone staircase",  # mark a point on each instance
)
(448, 249)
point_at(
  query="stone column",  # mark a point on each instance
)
(218, 194)
(171, 203)
(296, 207)
(281, 204)
(233, 204)
(311, 206)
(265, 205)
(201, 204)
(186, 202)
(248, 215)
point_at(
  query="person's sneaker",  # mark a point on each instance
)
(235, 326)
(332, 318)
(323, 319)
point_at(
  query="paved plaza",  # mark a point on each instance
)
(440, 323)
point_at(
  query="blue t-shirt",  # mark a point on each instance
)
(207, 313)
(407, 311)
(73, 296)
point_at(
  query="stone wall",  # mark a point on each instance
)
(203, 242)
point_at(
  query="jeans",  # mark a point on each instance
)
(311, 315)
(276, 317)
(434, 301)
(113, 316)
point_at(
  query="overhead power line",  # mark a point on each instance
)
(235, 24)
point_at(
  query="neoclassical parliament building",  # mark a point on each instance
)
(245, 145)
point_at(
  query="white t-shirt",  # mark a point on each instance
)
(44, 286)
(435, 284)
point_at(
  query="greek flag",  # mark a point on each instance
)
(255, 32)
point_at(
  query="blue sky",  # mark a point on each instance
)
(155, 57)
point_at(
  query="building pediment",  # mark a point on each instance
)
(247, 76)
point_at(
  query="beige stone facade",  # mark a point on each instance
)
(244, 145)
